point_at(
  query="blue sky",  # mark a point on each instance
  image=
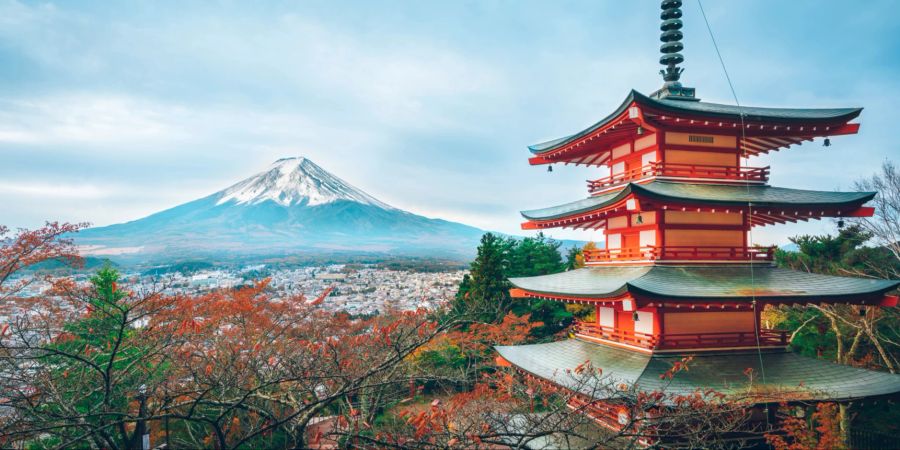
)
(110, 111)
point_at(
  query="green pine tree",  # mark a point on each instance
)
(96, 368)
(484, 294)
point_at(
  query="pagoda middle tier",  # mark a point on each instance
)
(676, 190)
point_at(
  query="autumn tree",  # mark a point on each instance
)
(884, 226)
(819, 431)
(864, 336)
(255, 367)
(76, 367)
(508, 411)
(27, 248)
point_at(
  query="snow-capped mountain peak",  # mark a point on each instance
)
(295, 181)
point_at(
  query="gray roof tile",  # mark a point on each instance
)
(751, 114)
(781, 372)
(741, 282)
(719, 194)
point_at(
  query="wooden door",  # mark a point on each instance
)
(631, 244)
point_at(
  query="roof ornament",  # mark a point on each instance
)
(671, 46)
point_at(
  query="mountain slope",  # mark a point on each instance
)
(293, 206)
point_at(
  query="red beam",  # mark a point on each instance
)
(863, 211)
(847, 128)
(518, 293)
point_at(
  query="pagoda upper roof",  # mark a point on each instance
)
(760, 196)
(788, 376)
(705, 283)
(705, 110)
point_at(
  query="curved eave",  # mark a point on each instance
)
(704, 195)
(757, 196)
(590, 204)
(789, 376)
(582, 283)
(705, 283)
(750, 113)
(835, 117)
(554, 144)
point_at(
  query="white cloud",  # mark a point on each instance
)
(88, 119)
(54, 191)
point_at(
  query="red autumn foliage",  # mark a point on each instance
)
(820, 431)
(26, 248)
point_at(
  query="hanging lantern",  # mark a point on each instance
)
(549, 168)
(827, 142)
(840, 223)
(639, 219)
(640, 130)
(634, 316)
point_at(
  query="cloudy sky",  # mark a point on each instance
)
(110, 111)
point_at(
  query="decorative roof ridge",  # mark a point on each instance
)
(717, 282)
(750, 113)
(787, 372)
(741, 184)
(542, 147)
(647, 189)
(653, 190)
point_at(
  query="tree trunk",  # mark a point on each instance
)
(838, 336)
(877, 343)
(850, 353)
(844, 415)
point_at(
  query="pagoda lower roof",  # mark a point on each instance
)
(758, 196)
(778, 375)
(700, 109)
(705, 283)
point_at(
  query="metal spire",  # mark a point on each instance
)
(671, 37)
(671, 46)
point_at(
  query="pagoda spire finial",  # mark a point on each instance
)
(671, 37)
(671, 46)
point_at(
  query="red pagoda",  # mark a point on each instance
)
(677, 275)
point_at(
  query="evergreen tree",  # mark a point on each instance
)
(574, 259)
(484, 294)
(535, 256)
(98, 367)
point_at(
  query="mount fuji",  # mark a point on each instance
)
(293, 207)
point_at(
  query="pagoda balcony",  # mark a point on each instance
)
(687, 171)
(682, 341)
(680, 253)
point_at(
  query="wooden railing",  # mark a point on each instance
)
(767, 338)
(662, 169)
(681, 253)
(723, 339)
(628, 337)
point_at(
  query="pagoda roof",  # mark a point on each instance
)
(701, 109)
(706, 193)
(719, 282)
(788, 376)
